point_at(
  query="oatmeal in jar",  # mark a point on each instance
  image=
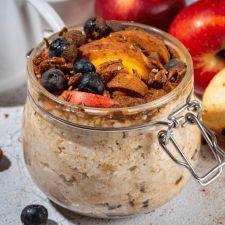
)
(90, 120)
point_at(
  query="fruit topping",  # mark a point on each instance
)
(174, 62)
(57, 46)
(53, 81)
(34, 215)
(91, 82)
(176, 70)
(88, 99)
(126, 82)
(96, 28)
(126, 66)
(83, 66)
(148, 43)
(106, 49)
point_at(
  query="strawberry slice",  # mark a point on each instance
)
(88, 99)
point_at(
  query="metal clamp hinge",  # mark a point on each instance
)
(192, 117)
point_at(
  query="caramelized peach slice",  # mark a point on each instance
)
(128, 83)
(104, 50)
(147, 42)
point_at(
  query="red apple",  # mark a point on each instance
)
(88, 99)
(201, 28)
(158, 13)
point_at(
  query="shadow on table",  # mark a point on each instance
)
(76, 218)
(51, 222)
(13, 98)
(4, 163)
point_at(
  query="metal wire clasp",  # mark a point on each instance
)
(192, 116)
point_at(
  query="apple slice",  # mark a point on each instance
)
(213, 103)
(88, 99)
(107, 49)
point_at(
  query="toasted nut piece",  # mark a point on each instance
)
(147, 42)
(129, 83)
(109, 69)
(70, 53)
(157, 79)
(73, 80)
(41, 57)
(75, 37)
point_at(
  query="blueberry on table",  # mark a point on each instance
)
(174, 62)
(53, 80)
(83, 66)
(96, 28)
(91, 82)
(57, 46)
(34, 215)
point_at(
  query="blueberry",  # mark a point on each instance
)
(53, 80)
(91, 82)
(34, 215)
(96, 28)
(57, 46)
(174, 62)
(83, 66)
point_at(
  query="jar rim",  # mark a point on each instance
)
(168, 39)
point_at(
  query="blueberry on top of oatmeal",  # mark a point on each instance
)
(174, 62)
(57, 46)
(91, 82)
(96, 28)
(53, 80)
(83, 66)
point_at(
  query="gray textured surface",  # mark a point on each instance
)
(194, 205)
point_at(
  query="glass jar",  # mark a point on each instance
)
(107, 162)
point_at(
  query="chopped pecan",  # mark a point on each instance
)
(157, 78)
(176, 73)
(75, 37)
(70, 53)
(54, 62)
(40, 57)
(109, 69)
(170, 86)
(73, 80)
